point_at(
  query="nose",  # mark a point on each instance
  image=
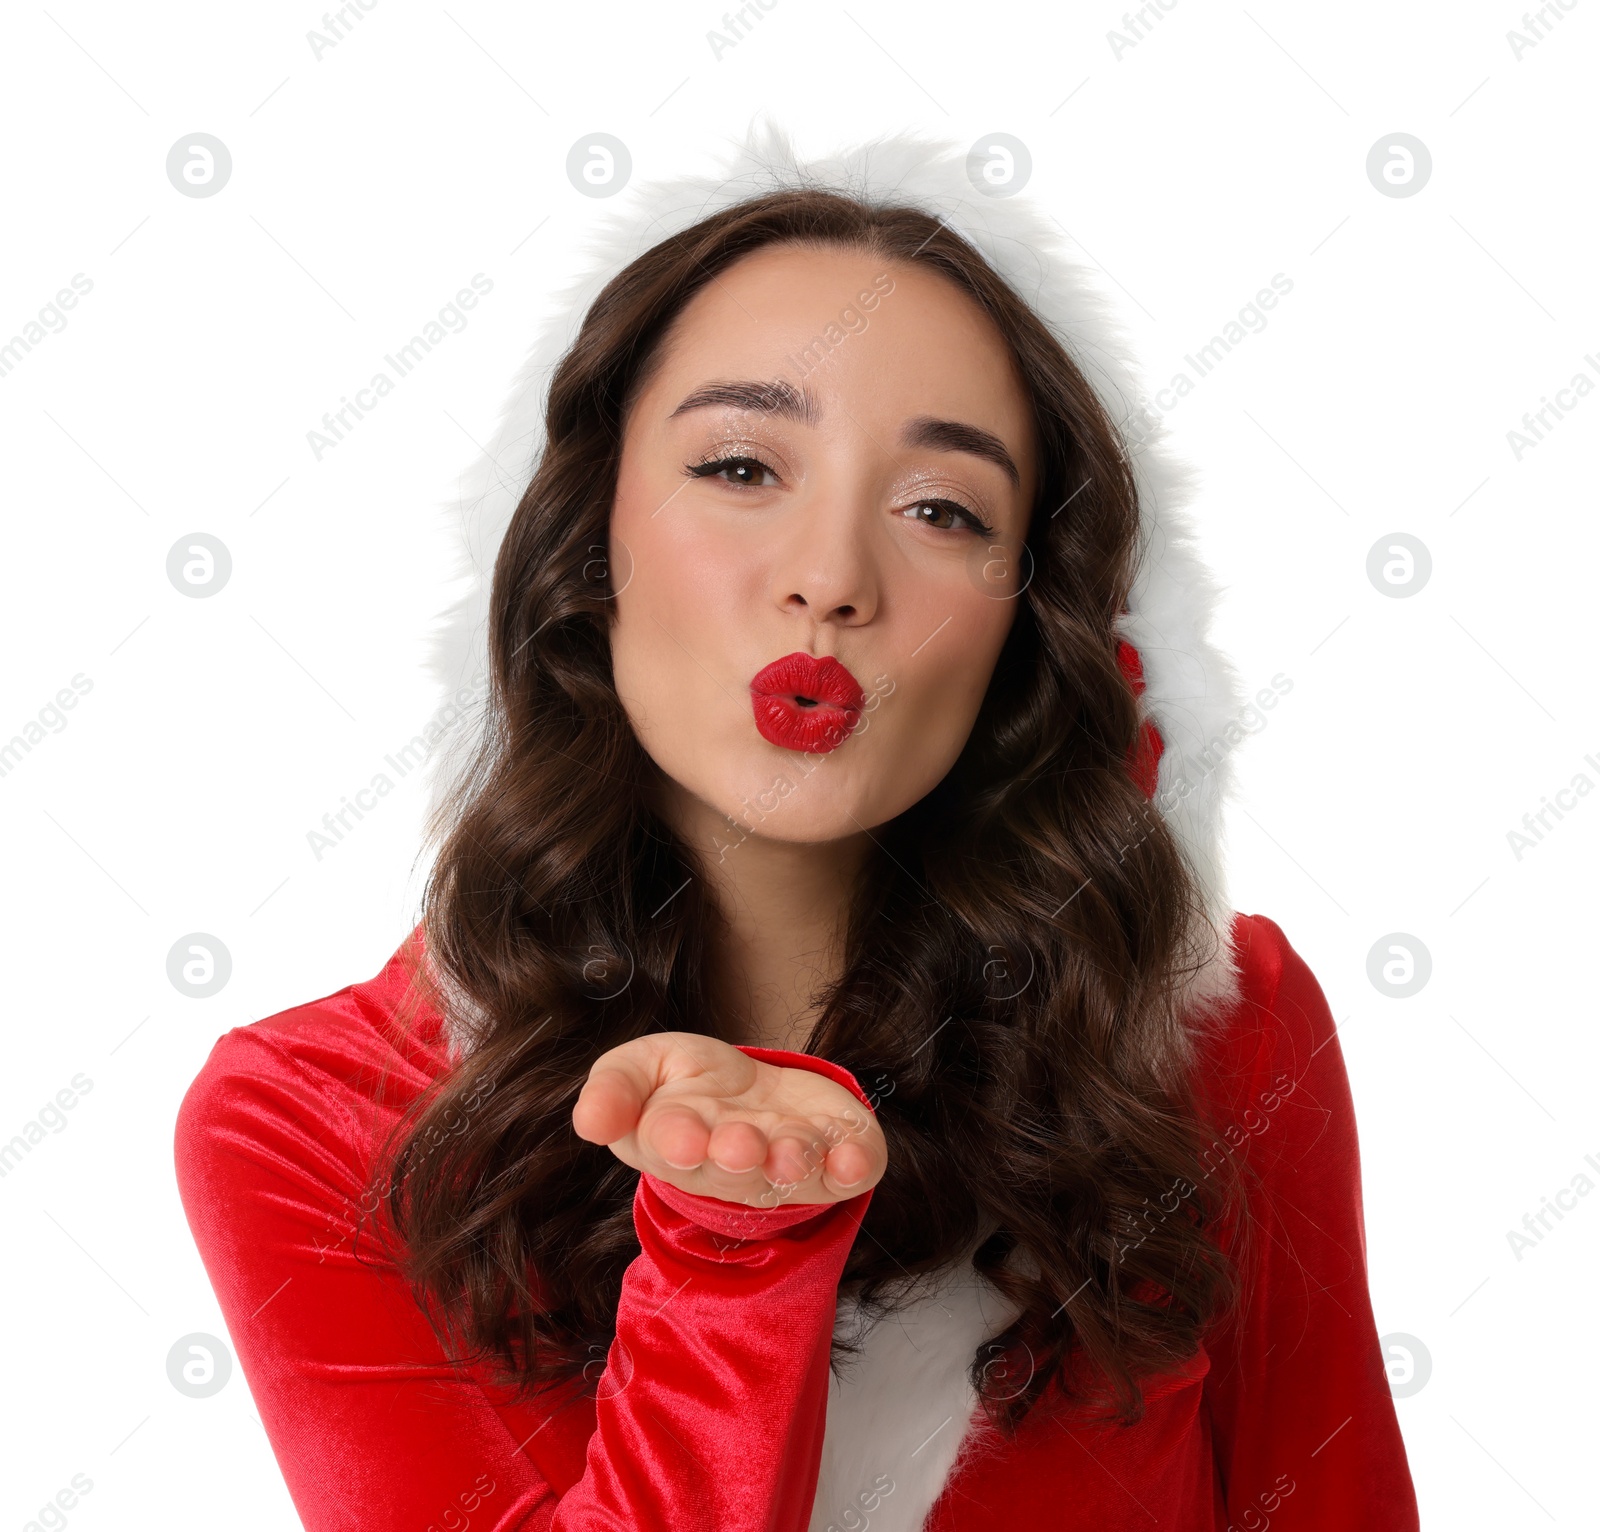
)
(825, 566)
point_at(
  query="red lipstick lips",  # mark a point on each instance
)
(805, 703)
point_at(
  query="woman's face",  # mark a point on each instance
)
(832, 462)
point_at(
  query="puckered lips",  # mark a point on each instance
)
(803, 702)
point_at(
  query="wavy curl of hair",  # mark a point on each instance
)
(1042, 1129)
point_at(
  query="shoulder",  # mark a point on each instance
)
(1272, 1060)
(1280, 1000)
(327, 1074)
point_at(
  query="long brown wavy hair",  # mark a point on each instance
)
(1010, 994)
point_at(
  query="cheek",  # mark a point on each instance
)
(941, 685)
(946, 637)
(675, 619)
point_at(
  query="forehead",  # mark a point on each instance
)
(860, 330)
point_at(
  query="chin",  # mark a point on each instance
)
(804, 798)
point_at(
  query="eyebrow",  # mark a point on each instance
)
(775, 398)
(958, 436)
(785, 400)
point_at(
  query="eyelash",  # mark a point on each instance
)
(713, 466)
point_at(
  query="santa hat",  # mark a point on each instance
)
(1189, 694)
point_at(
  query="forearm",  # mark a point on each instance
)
(713, 1402)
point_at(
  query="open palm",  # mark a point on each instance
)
(710, 1120)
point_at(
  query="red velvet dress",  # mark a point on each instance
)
(713, 1402)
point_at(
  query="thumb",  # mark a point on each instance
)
(624, 1078)
(611, 1100)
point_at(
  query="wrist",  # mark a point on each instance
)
(736, 1220)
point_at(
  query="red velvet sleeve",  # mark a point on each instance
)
(1303, 1422)
(715, 1394)
(712, 1405)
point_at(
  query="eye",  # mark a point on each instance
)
(746, 471)
(946, 516)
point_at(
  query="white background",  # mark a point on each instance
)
(372, 183)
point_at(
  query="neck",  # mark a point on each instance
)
(784, 907)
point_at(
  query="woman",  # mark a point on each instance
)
(826, 958)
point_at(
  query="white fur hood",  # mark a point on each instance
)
(1191, 694)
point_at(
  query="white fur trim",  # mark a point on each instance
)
(905, 1405)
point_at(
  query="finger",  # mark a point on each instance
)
(609, 1104)
(795, 1153)
(738, 1147)
(848, 1167)
(677, 1135)
(624, 1078)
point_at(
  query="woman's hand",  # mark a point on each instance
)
(710, 1120)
